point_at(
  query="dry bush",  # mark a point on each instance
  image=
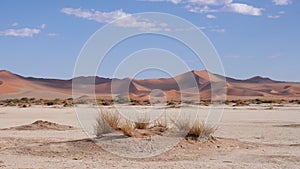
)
(195, 130)
(159, 127)
(182, 124)
(200, 130)
(159, 123)
(142, 122)
(106, 122)
(101, 127)
(111, 118)
(127, 128)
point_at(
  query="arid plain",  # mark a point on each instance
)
(248, 137)
(39, 127)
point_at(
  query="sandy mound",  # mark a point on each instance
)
(42, 125)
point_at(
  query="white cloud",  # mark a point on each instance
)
(127, 20)
(24, 32)
(43, 26)
(281, 12)
(275, 55)
(98, 16)
(243, 9)
(173, 1)
(219, 30)
(210, 6)
(230, 7)
(200, 9)
(210, 2)
(137, 23)
(282, 2)
(209, 16)
(15, 24)
(52, 34)
(273, 16)
(199, 2)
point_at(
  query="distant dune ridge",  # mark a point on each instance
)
(16, 86)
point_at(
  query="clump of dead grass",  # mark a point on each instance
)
(101, 127)
(106, 122)
(142, 122)
(200, 130)
(111, 118)
(127, 128)
(109, 121)
(196, 130)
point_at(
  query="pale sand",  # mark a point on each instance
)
(248, 137)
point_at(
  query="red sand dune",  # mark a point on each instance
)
(15, 86)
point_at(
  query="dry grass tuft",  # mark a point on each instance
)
(200, 130)
(195, 130)
(106, 122)
(111, 118)
(127, 128)
(159, 123)
(142, 122)
(182, 124)
(101, 127)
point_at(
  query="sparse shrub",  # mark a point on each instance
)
(200, 130)
(171, 103)
(106, 122)
(24, 99)
(122, 100)
(182, 124)
(111, 118)
(127, 128)
(159, 123)
(142, 122)
(258, 101)
(134, 102)
(101, 127)
(159, 127)
(104, 102)
(81, 101)
(50, 103)
(188, 102)
(147, 102)
(195, 130)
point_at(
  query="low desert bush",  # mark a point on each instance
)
(101, 127)
(197, 129)
(142, 122)
(106, 122)
(182, 124)
(160, 123)
(200, 130)
(111, 118)
(127, 128)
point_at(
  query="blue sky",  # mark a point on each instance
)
(44, 38)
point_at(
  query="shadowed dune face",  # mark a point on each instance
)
(12, 86)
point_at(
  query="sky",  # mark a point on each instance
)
(252, 37)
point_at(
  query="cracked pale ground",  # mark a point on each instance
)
(248, 137)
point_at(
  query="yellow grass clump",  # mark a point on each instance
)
(127, 128)
(106, 122)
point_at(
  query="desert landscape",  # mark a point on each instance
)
(257, 130)
(16, 86)
(248, 137)
(150, 84)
